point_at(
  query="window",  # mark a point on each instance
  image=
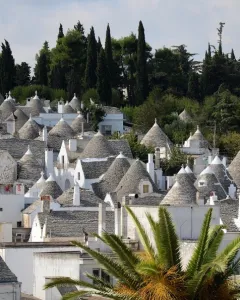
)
(78, 175)
(96, 273)
(105, 276)
(63, 160)
(19, 224)
(145, 188)
(107, 129)
(1, 209)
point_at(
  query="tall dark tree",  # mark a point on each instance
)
(233, 58)
(141, 75)
(109, 56)
(60, 32)
(79, 27)
(73, 85)
(103, 80)
(58, 78)
(7, 69)
(99, 45)
(193, 86)
(43, 65)
(91, 65)
(23, 74)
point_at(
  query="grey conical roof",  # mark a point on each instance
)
(190, 173)
(184, 116)
(29, 168)
(67, 109)
(184, 178)
(7, 108)
(98, 147)
(1, 98)
(40, 183)
(36, 105)
(210, 184)
(112, 177)
(30, 130)
(75, 103)
(77, 124)
(180, 194)
(234, 169)
(155, 137)
(199, 137)
(50, 187)
(129, 184)
(62, 129)
(221, 173)
(6, 275)
(19, 117)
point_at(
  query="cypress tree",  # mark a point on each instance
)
(141, 76)
(233, 55)
(103, 81)
(60, 32)
(193, 86)
(91, 65)
(99, 45)
(109, 55)
(23, 74)
(43, 65)
(7, 69)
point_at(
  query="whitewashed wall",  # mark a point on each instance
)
(11, 208)
(20, 261)
(5, 232)
(10, 291)
(113, 120)
(188, 220)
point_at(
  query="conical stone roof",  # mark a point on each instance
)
(221, 173)
(29, 168)
(155, 137)
(190, 173)
(19, 117)
(7, 108)
(234, 169)
(40, 183)
(180, 195)
(112, 177)
(36, 105)
(30, 130)
(75, 103)
(198, 136)
(67, 109)
(50, 187)
(183, 178)
(184, 116)
(62, 129)
(98, 147)
(77, 124)
(129, 184)
(207, 182)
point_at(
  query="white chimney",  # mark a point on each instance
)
(213, 197)
(76, 195)
(82, 129)
(45, 134)
(150, 166)
(157, 158)
(49, 161)
(72, 144)
(224, 161)
(60, 107)
(210, 159)
(101, 218)
(232, 191)
(199, 198)
(45, 204)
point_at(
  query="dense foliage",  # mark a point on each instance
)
(157, 271)
(146, 84)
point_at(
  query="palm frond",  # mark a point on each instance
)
(167, 241)
(142, 234)
(99, 282)
(214, 240)
(68, 281)
(196, 260)
(74, 295)
(112, 266)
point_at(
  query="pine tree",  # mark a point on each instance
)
(103, 81)
(109, 55)
(91, 65)
(60, 33)
(141, 76)
(7, 69)
(23, 74)
(193, 86)
(99, 45)
(73, 83)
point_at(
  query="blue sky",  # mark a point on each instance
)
(27, 24)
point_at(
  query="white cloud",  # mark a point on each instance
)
(27, 24)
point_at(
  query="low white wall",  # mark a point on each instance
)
(10, 291)
(11, 208)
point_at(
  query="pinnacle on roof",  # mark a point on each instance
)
(188, 170)
(36, 96)
(9, 96)
(75, 103)
(41, 179)
(29, 152)
(120, 155)
(50, 178)
(182, 170)
(156, 137)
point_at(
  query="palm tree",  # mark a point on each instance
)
(156, 272)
